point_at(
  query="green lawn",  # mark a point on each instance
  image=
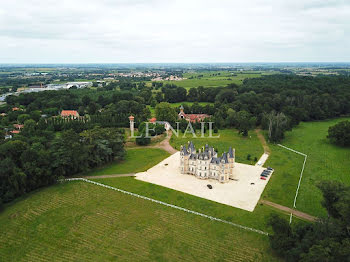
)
(77, 221)
(153, 111)
(136, 160)
(228, 137)
(325, 162)
(209, 79)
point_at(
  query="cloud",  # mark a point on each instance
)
(114, 31)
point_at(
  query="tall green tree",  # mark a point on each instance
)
(340, 133)
(165, 112)
(276, 124)
(244, 121)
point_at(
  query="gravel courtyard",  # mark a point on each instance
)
(243, 192)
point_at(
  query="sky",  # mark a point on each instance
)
(174, 31)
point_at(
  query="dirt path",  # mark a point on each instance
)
(290, 210)
(263, 141)
(110, 176)
(164, 144)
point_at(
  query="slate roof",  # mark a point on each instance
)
(191, 146)
(207, 154)
(230, 153)
(184, 150)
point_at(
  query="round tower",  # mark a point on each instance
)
(131, 119)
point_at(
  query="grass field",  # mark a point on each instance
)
(77, 221)
(325, 162)
(136, 160)
(209, 79)
(228, 137)
(256, 219)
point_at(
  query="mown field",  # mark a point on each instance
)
(256, 219)
(215, 78)
(325, 162)
(136, 160)
(77, 221)
(228, 137)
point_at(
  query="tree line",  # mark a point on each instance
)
(325, 240)
(37, 156)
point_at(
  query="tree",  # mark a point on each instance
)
(2, 135)
(244, 122)
(332, 192)
(86, 100)
(281, 240)
(22, 118)
(165, 112)
(35, 115)
(339, 134)
(192, 94)
(231, 117)
(103, 145)
(276, 124)
(13, 180)
(324, 240)
(159, 97)
(143, 140)
(226, 96)
(153, 103)
(69, 154)
(29, 128)
(92, 108)
(13, 150)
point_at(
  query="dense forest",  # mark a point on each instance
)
(38, 157)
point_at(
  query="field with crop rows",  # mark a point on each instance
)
(77, 221)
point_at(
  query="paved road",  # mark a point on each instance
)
(290, 210)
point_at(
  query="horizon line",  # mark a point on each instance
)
(258, 62)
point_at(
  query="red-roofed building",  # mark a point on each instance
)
(153, 120)
(15, 132)
(192, 117)
(15, 109)
(18, 126)
(70, 113)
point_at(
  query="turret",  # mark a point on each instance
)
(131, 119)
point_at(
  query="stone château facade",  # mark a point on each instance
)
(205, 164)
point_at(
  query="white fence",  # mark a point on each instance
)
(301, 176)
(170, 205)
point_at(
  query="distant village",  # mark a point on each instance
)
(94, 79)
(40, 88)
